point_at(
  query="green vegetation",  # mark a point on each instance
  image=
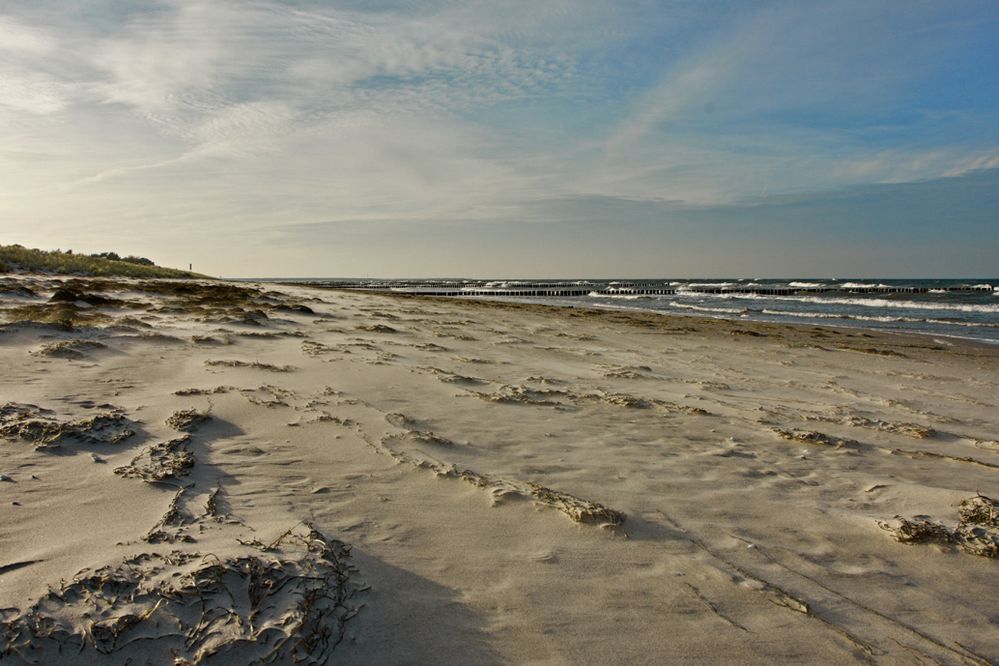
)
(15, 258)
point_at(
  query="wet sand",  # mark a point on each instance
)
(236, 472)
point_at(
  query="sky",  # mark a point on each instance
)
(522, 138)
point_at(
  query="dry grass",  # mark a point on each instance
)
(21, 259)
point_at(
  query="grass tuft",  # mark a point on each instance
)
(18, 259)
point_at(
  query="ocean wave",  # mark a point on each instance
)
(621, 297)
(708, 284)
(861, 285)
(836, 315)
(701, 308)
(880, 318)
(973, 324)
(864, 302)
(805, 285)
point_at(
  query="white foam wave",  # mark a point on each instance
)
(861, 285)
(621, 297)
(701, 308)
(831, 315)
(865, 302)
(973, 324)
(709, 284)
(805, 285)
(882, 318)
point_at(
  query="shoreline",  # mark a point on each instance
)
(647, 315)
(530, 482)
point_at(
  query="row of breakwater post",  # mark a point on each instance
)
(564, 290)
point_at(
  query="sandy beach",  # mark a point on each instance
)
(222, 473)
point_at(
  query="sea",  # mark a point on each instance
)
(953, 308)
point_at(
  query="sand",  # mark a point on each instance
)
(235, 473)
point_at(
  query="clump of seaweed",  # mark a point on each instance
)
(40, 426)
(286, 602)
(186, 420)
(563, 399)
(65, 315)
(268, 396)
(315, 349)
(69, 349)
(163, 461)
(579, 510)
(873, 350)
(203, 391)
(248, 364)
(430, 347)
(15, 288)
(175, 517)
(625, 400)
(220, 302)
(980, 510)
(400, 420)
(448, 333)
(518, 394)
(211, 340)
(428, 437)
(977, 533)
(454, 378)
(72, 293)
(813, 437)
(908, 429)
(627, 372)
(377, 328)
(294, 308)
(917, 530)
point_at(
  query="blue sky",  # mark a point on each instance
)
(540, 138)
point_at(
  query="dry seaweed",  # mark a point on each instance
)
(453, 378)
(980, 510)
(579, 510)
(562, 399)
(248, 364)
(377, 328)
(268, 396)
(917, 530)
(524, 395)
(187, 420)
(68, 349)
(813, 437)
(977, 532)
(38, 425)
(203, 391)
(65, 315)
(163, 461)
(908, 429)
(287, 602)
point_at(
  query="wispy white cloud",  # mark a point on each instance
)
(18, 38)
(217, 116)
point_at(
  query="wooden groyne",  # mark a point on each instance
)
(563, 290)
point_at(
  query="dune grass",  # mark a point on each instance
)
(15, 258)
